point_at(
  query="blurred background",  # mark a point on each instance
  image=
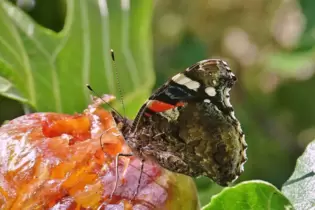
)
(268, 44)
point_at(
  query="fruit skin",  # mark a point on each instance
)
(50, 160)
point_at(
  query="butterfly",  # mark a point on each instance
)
(188, 125)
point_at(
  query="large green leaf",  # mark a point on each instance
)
(300, 188)
(50, 69)
(251, 195)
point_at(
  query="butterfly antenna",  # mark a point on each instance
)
(117, 82)
(96, 94)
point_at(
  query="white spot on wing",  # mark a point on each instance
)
(183, 80)
(193, 85)
(206, 100)
(225, 63)
(210, 91)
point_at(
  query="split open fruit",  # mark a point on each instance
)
(55, 161)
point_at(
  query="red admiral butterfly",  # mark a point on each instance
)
(188, 125)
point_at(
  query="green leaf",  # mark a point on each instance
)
(51, 69)
(301, 185)
(255, 195)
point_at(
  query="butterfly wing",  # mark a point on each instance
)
(202, 81)
(188, 125)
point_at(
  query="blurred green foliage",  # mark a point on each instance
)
(269, 45)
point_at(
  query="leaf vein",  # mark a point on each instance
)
(86, 47)
(131, 65)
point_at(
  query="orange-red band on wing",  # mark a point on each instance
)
(159, 106)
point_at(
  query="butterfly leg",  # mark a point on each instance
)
(140, 176)
(116, 169)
